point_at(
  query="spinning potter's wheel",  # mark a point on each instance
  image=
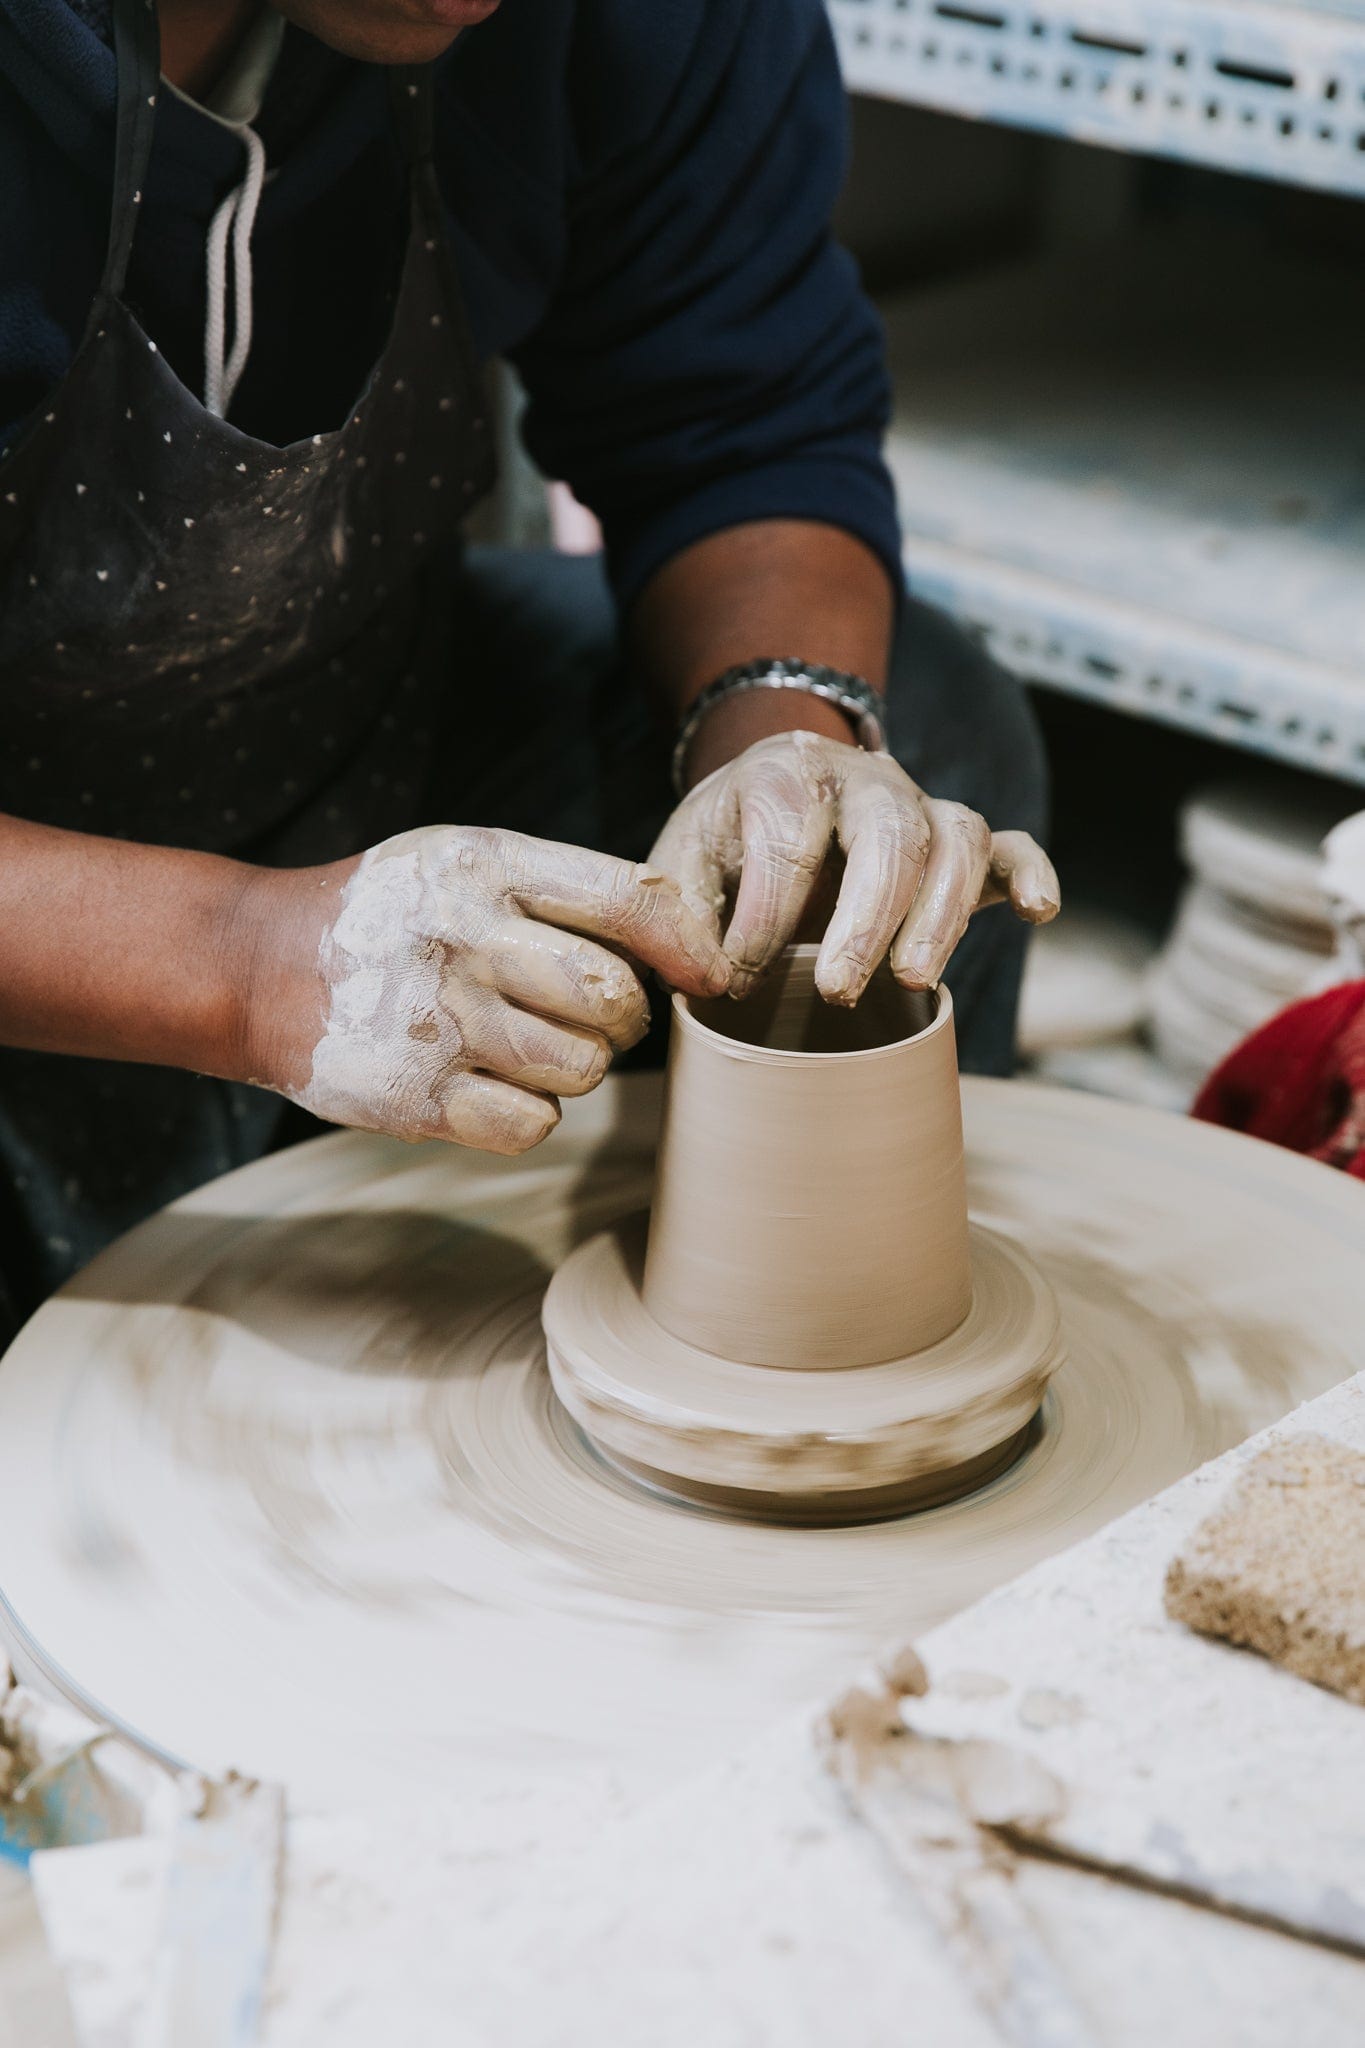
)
(282, 1485)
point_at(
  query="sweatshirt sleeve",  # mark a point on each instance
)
(708, 357)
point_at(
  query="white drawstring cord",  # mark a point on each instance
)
(237, 217)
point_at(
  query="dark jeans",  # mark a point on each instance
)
(547, 736)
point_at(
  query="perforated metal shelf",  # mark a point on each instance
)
(1143, 481)
(1273, 90)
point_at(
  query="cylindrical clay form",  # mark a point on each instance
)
(814, 1330)
(810, 1206)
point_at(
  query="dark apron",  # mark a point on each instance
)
(207, 641)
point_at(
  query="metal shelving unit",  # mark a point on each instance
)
(1139, 469)
(1267, 88)
(1046, 417)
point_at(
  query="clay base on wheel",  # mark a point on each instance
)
(837, 1510)
(806, 1445)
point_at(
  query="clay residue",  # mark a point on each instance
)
(1042, 1708)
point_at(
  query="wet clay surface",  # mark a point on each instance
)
(810, 1211)
(282, 1484)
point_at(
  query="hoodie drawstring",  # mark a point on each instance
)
(236, 217)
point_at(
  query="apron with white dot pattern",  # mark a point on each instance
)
(212, 642)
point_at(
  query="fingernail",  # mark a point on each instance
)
(1041, 903)
(720, 976)
(841, 981)
(742, 980)
(923, 963)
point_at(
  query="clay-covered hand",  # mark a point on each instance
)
(762, 828)
(460, 980)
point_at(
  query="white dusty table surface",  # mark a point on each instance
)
(750, 1909)
(753, 1909)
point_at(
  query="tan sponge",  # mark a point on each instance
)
(1280, 1566)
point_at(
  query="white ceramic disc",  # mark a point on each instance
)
(1084, 981)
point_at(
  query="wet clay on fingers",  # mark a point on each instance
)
(466, 984)
(812, 1330)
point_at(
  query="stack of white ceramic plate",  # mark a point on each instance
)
(1253, 931)
(1084, 983)
(1084, 1003)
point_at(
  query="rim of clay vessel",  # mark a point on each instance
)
(803, 956)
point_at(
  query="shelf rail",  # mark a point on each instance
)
(1087, 644)
(1271, 91)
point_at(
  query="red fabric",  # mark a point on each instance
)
(1300, 1080)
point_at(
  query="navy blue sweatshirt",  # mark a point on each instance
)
(638, 192)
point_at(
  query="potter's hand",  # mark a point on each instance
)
(914, 869)
(449, 984)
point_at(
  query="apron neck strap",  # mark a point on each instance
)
(137, 53)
